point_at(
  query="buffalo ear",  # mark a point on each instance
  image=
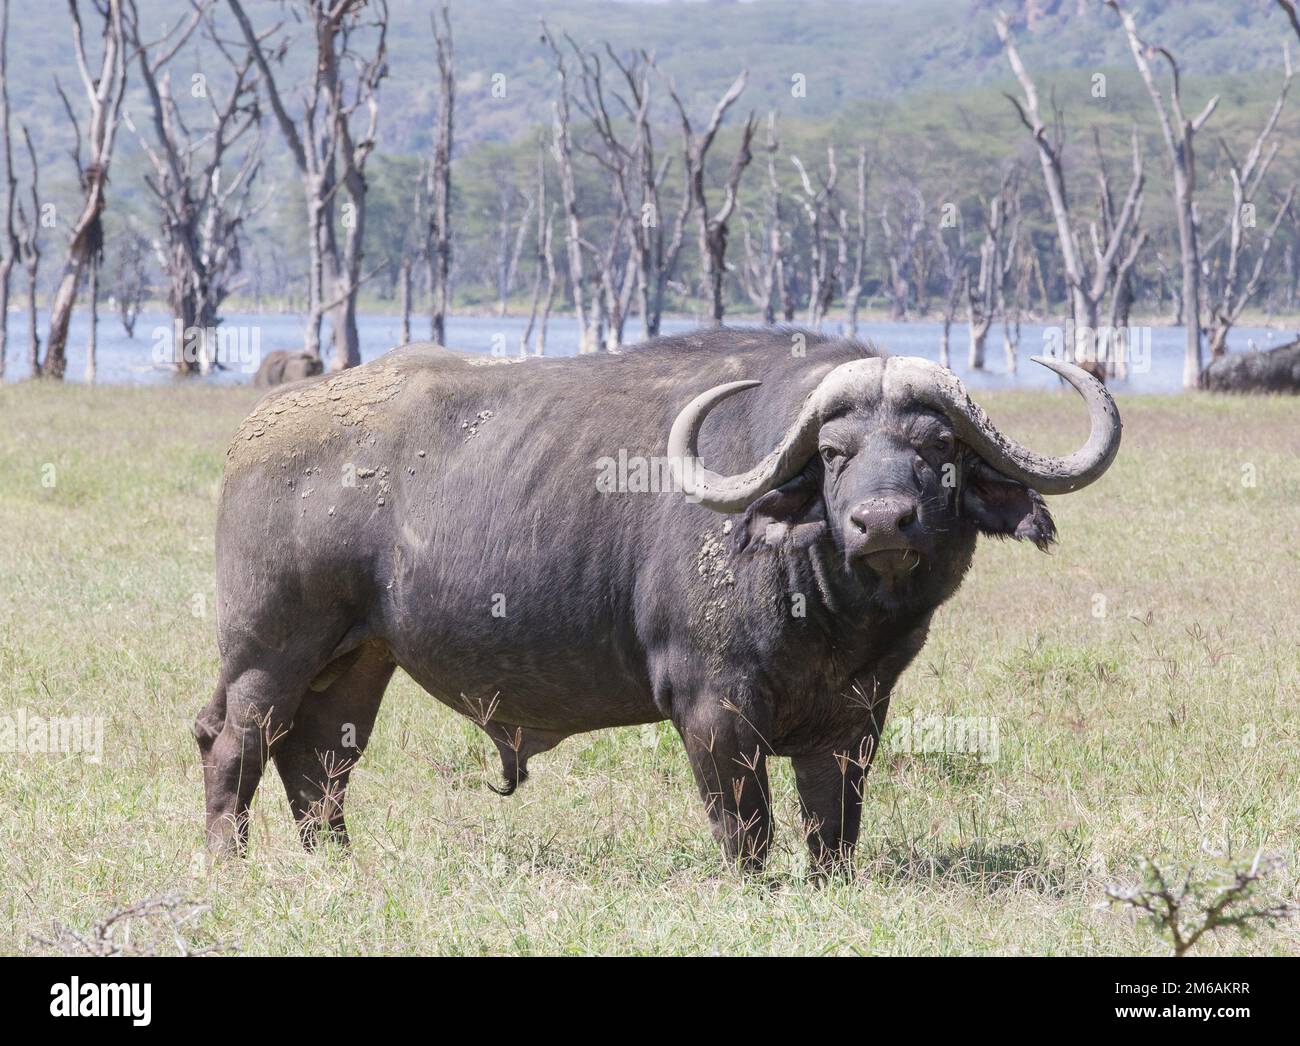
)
(793, 512)
(1005, 508)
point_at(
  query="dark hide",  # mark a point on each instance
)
(1274, 370)
(444, 516)
(281, 368)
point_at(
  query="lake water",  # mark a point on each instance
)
(124, 360)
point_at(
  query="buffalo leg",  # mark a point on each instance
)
(258, 711)
(264, 674)
(831, 789)
(729, 758)
(329, 733)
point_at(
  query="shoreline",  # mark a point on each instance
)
(1273, 321)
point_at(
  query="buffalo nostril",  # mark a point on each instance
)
(884, 520)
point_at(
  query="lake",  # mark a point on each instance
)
(124, 360)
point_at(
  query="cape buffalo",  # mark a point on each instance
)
(1272, 370)
(505, 534)
(282, 367)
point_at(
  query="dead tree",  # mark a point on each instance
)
(1226, 297)
(405, 267)
(353, 151)
(545, 264)
(104, 92)
(129, 276)
(1114, 353)
(620, 261)
(1087, 288)
(713, 225)
(562, 149)
(1179, 134)
(858, 236)
(984, 293)
(1288, 288)
(954, 263)
(438, 182)
(29, 249)
(328, 153)
(657, 243)
(11, 244)
(755, 274)
(921, 263)
(900, 247)
(1023, 260)
(414, 248)
(203, 201)
(511, 234)
(819, 206)
(1017, 268)
(763, 273)
(404, 274)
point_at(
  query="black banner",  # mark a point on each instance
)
(142, 995)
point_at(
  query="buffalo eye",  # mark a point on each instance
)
(831, 456)
(942, 443)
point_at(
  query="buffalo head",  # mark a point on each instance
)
(891, 459)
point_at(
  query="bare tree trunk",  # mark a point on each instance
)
(343, 322)
(818, 205)
(30, 248)
(204, 204)
(104, 95)
(1083, 310)
(853, 292)
(539, 251)
(92, 339)
(129, 282)
(324, 141)
(899, 246)
(985, 295)
(956, 279)
(1227, 309)
(317, 215)
(1086, 289)
(1179, 136)
(511, 247)
(439, 190)
(1015, 305)
(33, 265)
(352, 154)
(713, 227)
(404, 296)
(548, 253)
(772, 271)
(980, 293)
(1012, 271)
(1226, 301)
(562, 150)
(11, 244)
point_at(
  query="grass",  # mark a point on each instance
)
(1145, 679)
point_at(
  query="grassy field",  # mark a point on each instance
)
(1145, 680)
